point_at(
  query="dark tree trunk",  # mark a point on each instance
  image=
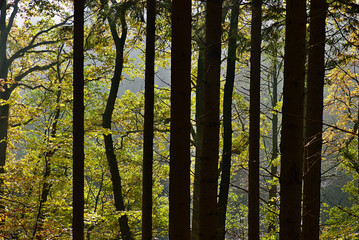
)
(4, 109)
(198, 143)
(254, 116)
(78, 122)
(292, 123)
(210, 123)
(148, 122)
(227, 122)
(107, 119)
(314, 118)
(179, 199)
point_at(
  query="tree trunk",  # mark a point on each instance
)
(274, 169)
(78, 122)
(227, 122)
(4, 109)
(210, 123)
(292, 123)
(254, 121)
(314, 118)
(148, 122)
(106, 123)
(180, 160)
(198, 143)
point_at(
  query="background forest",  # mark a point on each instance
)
(249, 130)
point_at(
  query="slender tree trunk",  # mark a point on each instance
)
(148, 122)
(292, 123)
(78, 122)
(274, 169)
(210, 123)
(314, 118)
(4, 109)
(198, 143)
(179, 199)
(227, 122)
(4, 123)
(107, 119)
(254, 122)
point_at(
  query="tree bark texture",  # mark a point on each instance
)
(254, 121)
(292, 121)
(148, 122)
(107, 119)
(198, 143)
(78, 122)
(210, 122)
(314, 119)
(180, 159)
(227, 122)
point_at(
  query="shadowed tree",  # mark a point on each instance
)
(148, 122)
(314, 119)
(292, 121)
(254, 121)
(78, 122)
(179, 199)
(210, 122)
(227, 121)
(110, 105)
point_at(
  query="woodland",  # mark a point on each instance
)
(160, 119)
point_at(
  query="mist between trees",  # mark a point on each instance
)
(216, 119)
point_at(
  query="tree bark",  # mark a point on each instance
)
(314, 119)
(179, 199)
(210, 122)
(148, 122)
(254, 122)
(78, 122)
(292, 123)
(198, 143)
(227, 122)
(107, 119)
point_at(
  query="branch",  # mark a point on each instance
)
(22, 123)
(34, 87)
(353, 5)
(27, 72)
(12, 16)
(31, 45)
(22, 51)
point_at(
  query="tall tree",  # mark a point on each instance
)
(197, 142)
(314, 119)
(254, 121)
(227, 121)
(148, 122)
(272, 195)
(210, 122)
(179, 199)
(292, 121)
(110, 105)
(78, 122)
